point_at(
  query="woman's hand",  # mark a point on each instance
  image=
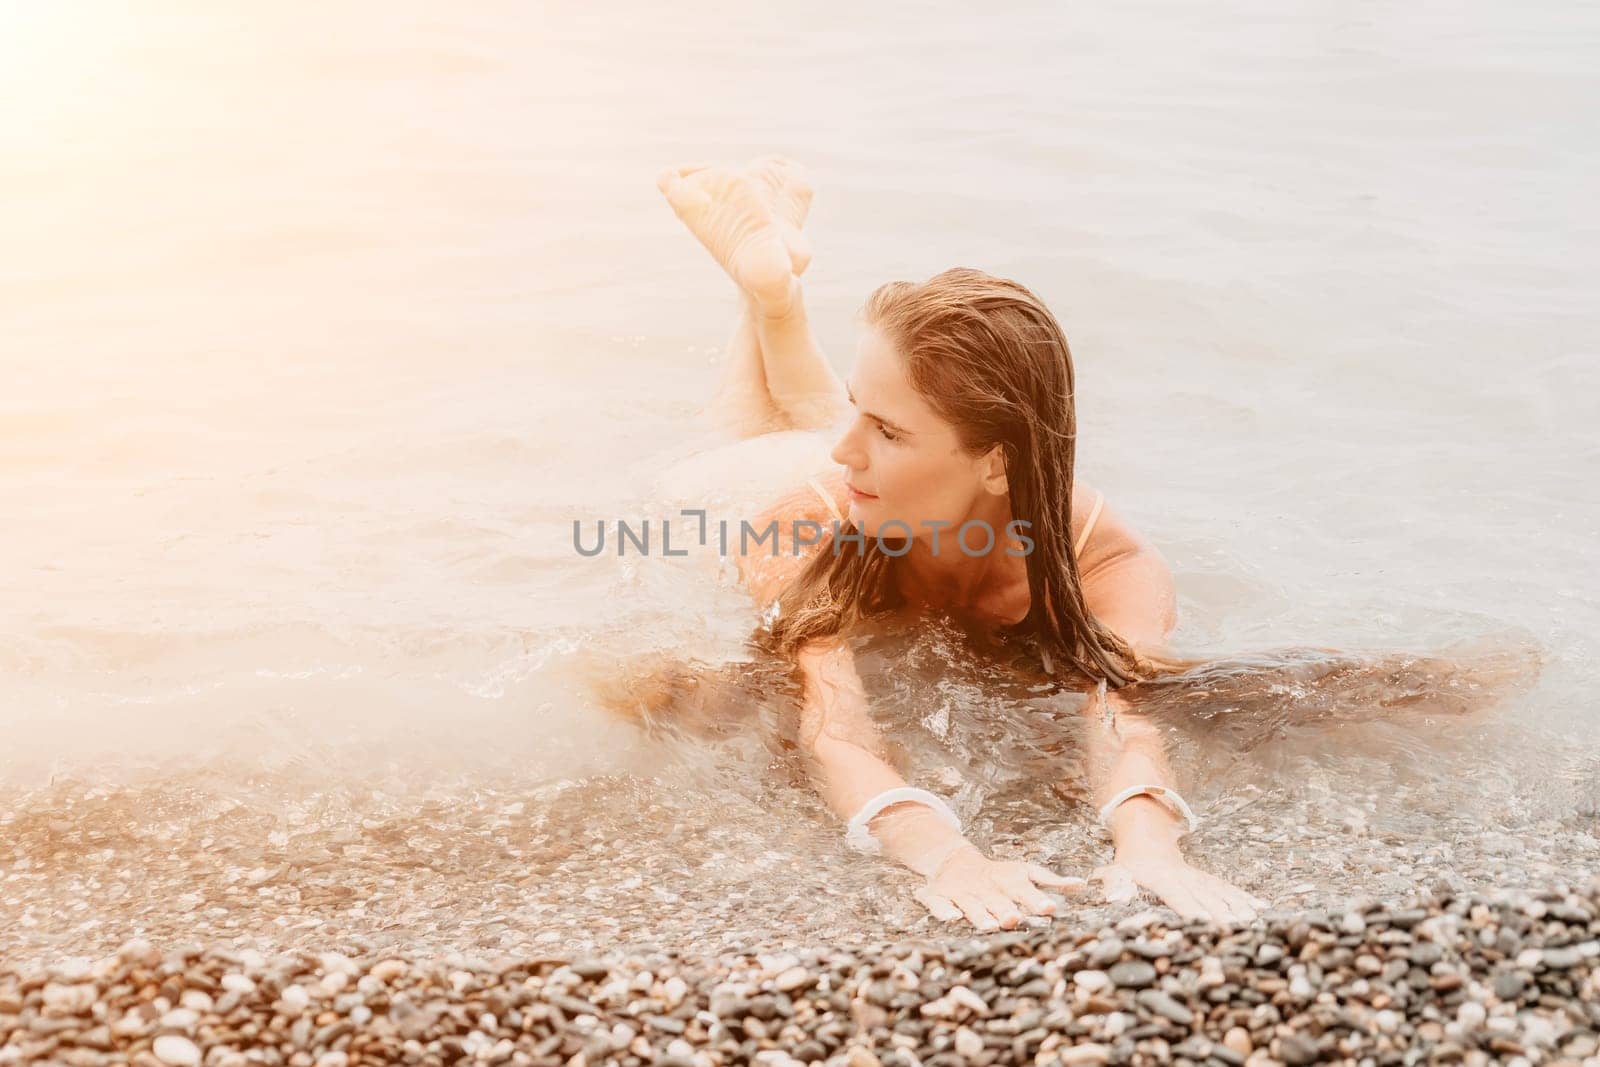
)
(1186, 889)
(991, 893)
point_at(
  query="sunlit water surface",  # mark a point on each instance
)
(320, 329)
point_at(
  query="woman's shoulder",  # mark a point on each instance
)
(832, 481)
(1088, 503)
(779, 548)
(811, 498)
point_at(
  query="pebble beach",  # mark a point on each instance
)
(171, 926)
(1509, 978)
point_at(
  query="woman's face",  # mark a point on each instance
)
(901, 458)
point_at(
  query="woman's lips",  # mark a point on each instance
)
(856, 494)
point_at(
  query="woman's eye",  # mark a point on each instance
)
(887, 435)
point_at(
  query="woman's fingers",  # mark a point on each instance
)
(1170, 888)
(1016, 883)
(1003, 908)
(1196, 894)
(974, 909)
(1231, 907)
(1181, 899)
(993, 894)
(1243, 905)
(940, 905)
(986, 911)
(1223, 901)
(1217, 908)
(1045, 876)
(1189, 891)
(1215, 904)
(1118, 882)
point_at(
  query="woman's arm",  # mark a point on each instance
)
(1128, 586)
(845, 758)
(1144, 833)
(845, 752)
(840, 742)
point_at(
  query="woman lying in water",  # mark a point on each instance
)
(959, 411)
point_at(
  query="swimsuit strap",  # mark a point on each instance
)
(827, 498)
(1094, 513)
(1083, 535)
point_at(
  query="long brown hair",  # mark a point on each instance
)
(991, 359)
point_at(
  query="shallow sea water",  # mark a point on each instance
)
(322, 330)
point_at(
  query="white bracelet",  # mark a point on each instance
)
(859, 837)
(1168, 797)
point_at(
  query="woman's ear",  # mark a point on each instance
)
(993, 470)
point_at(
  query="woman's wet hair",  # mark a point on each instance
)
(991, 359)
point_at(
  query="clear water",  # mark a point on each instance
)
(321, 330)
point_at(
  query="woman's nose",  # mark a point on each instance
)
(845, 452)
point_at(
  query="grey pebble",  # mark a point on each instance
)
(1106, 952)
(1561, 959)
(1132, 974)
(1508, 985)
(1297, 1051)
(1165, 1006)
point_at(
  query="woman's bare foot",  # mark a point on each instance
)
(733, 215)
(789, 192)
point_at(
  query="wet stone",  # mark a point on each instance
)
(1165, 1006)
(1426, 954)
(1151, 950)
(1508, 985)
(1297, 1051)
(1106, 952)
(1132, 974)
(1561, 959)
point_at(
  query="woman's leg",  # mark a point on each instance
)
(802, 383)
(750, 221)
(775, 377)
(743, 404)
